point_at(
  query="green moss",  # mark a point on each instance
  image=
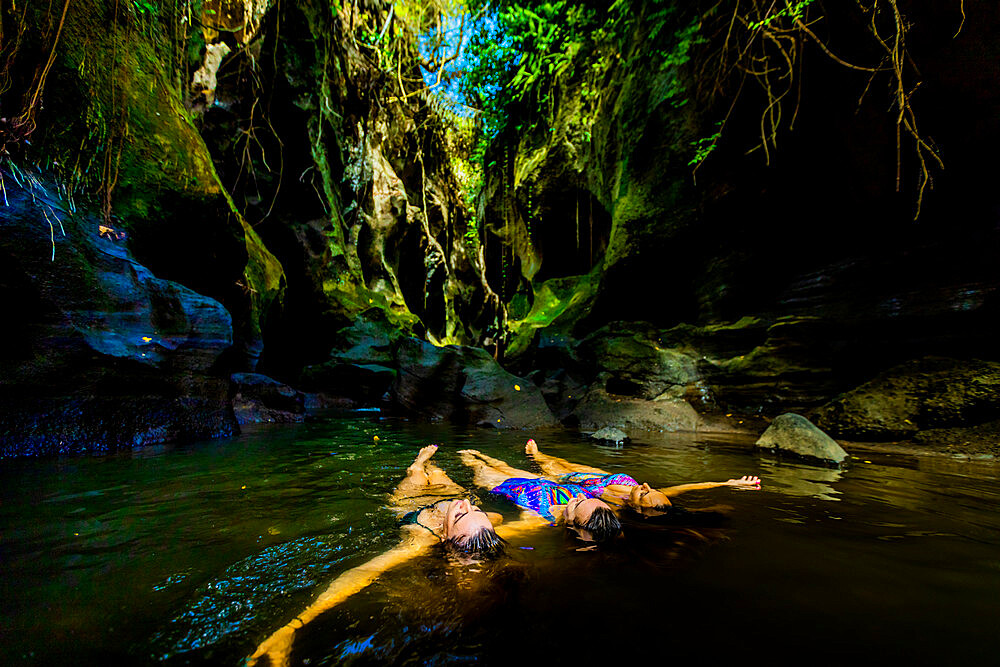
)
(350, 299)
(559, 304)
(263, 277)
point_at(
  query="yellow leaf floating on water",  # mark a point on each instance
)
(146, 339)
(517, 387)
(273, 531)
(243, 487)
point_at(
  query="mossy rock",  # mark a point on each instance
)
(927, 393)
(558, 305)
(466, 385)
(635, 364)
(600, 409)
(794, 434)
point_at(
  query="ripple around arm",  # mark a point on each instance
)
(249, 595)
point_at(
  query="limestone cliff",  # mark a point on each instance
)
(786, 266)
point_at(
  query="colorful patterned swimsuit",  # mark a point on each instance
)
(538, 494)
(593, 484)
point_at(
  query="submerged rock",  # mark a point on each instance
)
(610, 434)
(794, 434)
(465, 384)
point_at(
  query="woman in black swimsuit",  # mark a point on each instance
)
(434, 510)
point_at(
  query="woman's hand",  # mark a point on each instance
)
(745, 482)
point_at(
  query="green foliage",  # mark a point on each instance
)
(520, 48)
(792, 10)
(704, 146)
(144, 7)
(519, 51)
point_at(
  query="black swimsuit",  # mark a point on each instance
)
(413, 518)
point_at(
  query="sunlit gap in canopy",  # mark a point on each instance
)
(455, 38)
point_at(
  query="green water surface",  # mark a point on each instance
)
(192, 554)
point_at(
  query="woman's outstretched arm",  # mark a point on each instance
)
(416, 540)
(278, 646)
(746, 482)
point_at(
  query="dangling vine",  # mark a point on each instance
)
(763, 41)
(16, 128)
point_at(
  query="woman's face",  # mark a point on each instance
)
(579, 509)
(463, 520)
(644, 496)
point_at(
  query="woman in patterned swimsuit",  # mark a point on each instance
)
(553, 501)
(619, 488)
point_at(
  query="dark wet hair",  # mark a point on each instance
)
(485, 543)
(603, 525)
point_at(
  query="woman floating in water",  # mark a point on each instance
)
(577, 494)
(434, 510)
(620, 488)
(553, 501)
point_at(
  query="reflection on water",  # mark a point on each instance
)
(192, 554)
(798, 479)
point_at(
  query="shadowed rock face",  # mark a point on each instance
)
(924, 394)
(466, 385)
(99, 353)
(260, 399)
(818, 245)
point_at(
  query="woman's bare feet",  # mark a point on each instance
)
(531, 447)
(745, 482)
(425, 453)
(470, 457)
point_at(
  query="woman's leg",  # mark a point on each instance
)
(501, 466)
(438, 477)
(486, 475)
(554, 466)
(423, 478)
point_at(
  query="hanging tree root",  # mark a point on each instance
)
(763, 41)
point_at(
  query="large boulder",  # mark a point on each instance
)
(927, 393)
(370, 339)
(362, 362)
(600, 409)
(465, 384)
(99, 354)
(636, 363)
(794, 434)
(363, 383)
